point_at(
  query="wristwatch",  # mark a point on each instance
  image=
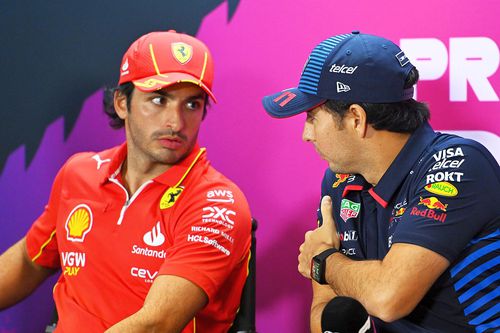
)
(318, 265)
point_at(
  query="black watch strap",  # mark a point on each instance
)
(318, 265)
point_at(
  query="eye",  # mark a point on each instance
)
(158, 100)
(193, 105)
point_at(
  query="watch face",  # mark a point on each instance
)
(316, 270)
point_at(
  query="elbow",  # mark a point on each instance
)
(390, 307)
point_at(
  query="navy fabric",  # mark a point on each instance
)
(350, 67)
(442, 192)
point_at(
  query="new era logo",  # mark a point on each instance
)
(342, 87)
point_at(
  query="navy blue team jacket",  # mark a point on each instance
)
(442, 192)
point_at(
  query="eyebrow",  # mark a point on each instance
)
(165, 93)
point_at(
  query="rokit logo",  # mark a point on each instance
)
(225, 196)
(72, 262)
(445, 176)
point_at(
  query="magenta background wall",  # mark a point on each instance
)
(262, 50)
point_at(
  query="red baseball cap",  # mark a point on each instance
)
(159, 59)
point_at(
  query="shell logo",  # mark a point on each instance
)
(79, 223)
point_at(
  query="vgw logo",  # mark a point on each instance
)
(72, 262)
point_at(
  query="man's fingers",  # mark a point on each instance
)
(327, 213)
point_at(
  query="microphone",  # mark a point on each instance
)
(345, 315)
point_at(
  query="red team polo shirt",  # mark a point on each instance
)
(191, 222)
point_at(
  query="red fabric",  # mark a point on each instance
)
(108, 267)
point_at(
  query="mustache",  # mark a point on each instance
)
(170, 133)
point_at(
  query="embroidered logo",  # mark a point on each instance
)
(442, 188)
(341, 87)
(433, 203)
(125, 68)
(79, 223)
(154, 237)
(170, 197)
(349, 209)
(100, 162)
(402, 58)
(182, 52)
(341, 177)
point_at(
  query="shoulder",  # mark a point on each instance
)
(87, 164)
(453, 158)
(215, 185)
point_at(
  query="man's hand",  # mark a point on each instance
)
(316, 241)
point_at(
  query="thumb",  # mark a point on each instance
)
(327, 213)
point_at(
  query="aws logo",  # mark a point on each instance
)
(170, 197)
(79, 223)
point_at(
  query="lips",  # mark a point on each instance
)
(170, 143)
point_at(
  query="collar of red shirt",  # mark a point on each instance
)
(171, 177)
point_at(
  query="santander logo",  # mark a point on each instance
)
(154, 237)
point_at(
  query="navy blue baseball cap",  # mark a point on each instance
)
(352, 67)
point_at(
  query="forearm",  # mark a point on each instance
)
(322, 294)
(365, 281)
(19, 276)
(137, 323)
(389, 289)
(170, 305)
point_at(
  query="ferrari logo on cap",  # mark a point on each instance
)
(182, 52)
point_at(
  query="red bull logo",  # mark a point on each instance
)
(341, 177)
(428, 213)
(433, 203)
(400, 212)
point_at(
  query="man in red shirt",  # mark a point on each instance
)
(148, 236)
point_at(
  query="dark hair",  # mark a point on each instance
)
(126, 89)
(402, 117)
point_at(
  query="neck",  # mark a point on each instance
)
(384, 146)
(135, 173)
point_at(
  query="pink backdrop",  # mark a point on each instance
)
(263, 49)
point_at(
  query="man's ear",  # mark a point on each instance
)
(120, 103)
(358, 119)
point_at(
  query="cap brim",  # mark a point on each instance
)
(156, 82)
(290, 102)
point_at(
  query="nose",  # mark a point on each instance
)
(174, 116)
(307, 133)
